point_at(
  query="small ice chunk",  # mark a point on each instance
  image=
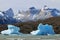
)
(35, 32)
(6, 31)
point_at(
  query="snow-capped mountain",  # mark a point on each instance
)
(23, 16)
(6, 17)
(46, 13)
(32, 14)
(35, 14)
(27, 15)
(9, 13)
(42, 15)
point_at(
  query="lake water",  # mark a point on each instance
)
(29, 37)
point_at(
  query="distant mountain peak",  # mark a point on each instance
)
(32, 8)
(9, 12)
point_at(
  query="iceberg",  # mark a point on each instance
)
(43, 30)
(11, 30)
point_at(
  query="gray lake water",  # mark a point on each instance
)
(29, 37)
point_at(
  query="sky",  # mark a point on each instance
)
(25, 4)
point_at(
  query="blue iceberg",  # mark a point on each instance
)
(11, 30)
(43, 30)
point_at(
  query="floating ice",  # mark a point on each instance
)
(11, 30)
(43, 30)
(35, 32)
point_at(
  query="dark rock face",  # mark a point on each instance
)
(27, 27)
(3, 27)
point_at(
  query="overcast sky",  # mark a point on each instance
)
(25, 4)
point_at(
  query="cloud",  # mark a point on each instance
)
(25, 4)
